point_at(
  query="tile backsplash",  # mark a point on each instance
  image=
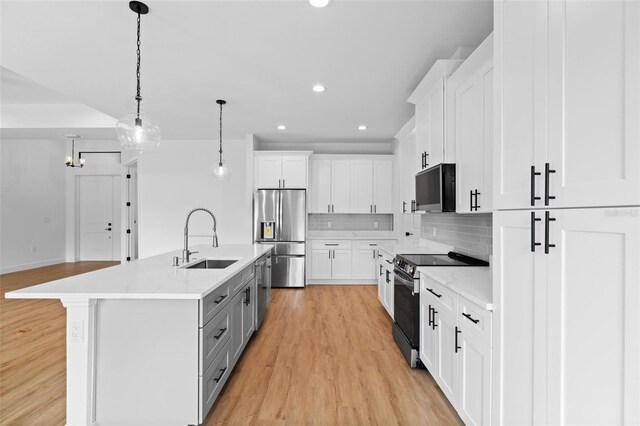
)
(469, 234)
(350, 222)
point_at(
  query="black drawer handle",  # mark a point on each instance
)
(390, 263)
(222, 370)
(220, 299)
(222, 330)
(434, 293)
(458, 331)
(547, 219)
(470, 318)
(332, 244)
(534, 219)
(533, 185)
(430, 319)
(547, 172)
(433, 321)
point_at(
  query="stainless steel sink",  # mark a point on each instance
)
(212, 264)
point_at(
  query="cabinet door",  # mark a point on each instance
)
(389, 291)
(421, 139)
(382, 186)
(446, 371)
(341, 264)
(320, 188)
(485, 86)
(594, 103)
(294, 172)
(381, 284)
(593, 309)
(428, 336)
(469, 143)
(364, 264)
(340, 186)
(435, 124)
(268, 172)
(474, 380)
(519, 319)
(361, 186)
(248, 319)
(321, 264)
(237, 327)
(520, 104)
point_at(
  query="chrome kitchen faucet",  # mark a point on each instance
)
(185, 252)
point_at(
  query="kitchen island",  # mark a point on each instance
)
(151, 343)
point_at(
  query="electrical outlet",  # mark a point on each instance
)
(77, 331)
(34, 249)
(435, 231)
(328, 224)
(375, 224)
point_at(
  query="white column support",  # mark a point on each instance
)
(81, 355)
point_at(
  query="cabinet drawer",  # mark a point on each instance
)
(213, 337)
(248, 274)
(385, 260)
(366, 244)
(330, 244)
(473, 318)
(214, 302)
(446, 300)
(235, 283)
(213, 380)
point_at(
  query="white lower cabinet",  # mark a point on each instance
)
(455, 346)
(351, 260)
(385, 281)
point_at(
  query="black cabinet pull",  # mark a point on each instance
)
(222, 330)
(387, 278)
(470, 200)
(547, 219)
(434, 293)
(547, 172)
(476, 206)
(533, 185)
(404, 207)
(331, 244)
(534, 219)
(470, 318)
(433, 321)
(220, 299)
(390, 263)
(458, 331)
(430, 319)
(222, 370)
(425, 160)
(247, 294)
(380, 270)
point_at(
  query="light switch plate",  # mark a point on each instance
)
(375, 224)
(328, 224)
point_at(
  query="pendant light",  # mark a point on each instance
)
(135, 131)
(221, 171)
(71, 160)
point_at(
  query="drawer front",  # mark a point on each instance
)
(213, 303)
(211, 383)
(330, 244)
(248, 274)
(366, 244)
(235, 283)
(213, 337)
(445, 298)
(476, 320)
(385, 259)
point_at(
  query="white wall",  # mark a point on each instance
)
(32, 203)
(177, 178)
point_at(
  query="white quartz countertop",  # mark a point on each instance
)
(352, 235)
(473, 282)
(414, 246)
(150, 278)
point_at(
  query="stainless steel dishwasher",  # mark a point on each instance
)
(263, 277)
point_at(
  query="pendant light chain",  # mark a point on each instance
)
(138, 97)
(220, 163)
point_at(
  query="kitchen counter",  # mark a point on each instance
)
(414, 246)
(352, 235)
(473, 282)
(150, 278)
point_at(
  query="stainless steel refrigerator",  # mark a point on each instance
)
(280, 218)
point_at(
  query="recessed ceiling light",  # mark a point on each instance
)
(319, 3)
(282, 127)
(319, 88)
(362, 127)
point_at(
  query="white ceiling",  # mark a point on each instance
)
(262, 57)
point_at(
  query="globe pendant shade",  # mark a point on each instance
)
(137, 133)
(221, 171)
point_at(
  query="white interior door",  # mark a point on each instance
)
(99, 218)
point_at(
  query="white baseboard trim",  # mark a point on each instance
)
(342, 282)
(33, 265)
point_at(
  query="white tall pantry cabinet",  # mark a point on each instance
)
(567, 225)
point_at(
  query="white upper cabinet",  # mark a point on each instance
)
(567, 104)
(406, 166)
(432, 146)
(281, 169)
(340, 184)
(470, 125)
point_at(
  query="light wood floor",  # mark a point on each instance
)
(324, 355)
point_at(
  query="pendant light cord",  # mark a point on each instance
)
(138, 97)
(220, 163)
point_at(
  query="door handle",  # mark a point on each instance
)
(458, 331)
(404, 207)
(434, 293)
(534, 219)
(433, 322)
(470, 200)
(328, 208)
(430, 320)
(533, 185)
(375, 208)
(547, 219)
(470, 318)
(222, 370)
(380, 270)
(476, 207)
(283, 183)
(547, 172)
(426, 154)
(222, 330)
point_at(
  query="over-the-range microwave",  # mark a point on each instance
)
(436, 189)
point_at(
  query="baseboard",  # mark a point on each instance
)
(33, 265)
(342, 282)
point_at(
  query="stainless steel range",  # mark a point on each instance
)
(406, 296)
